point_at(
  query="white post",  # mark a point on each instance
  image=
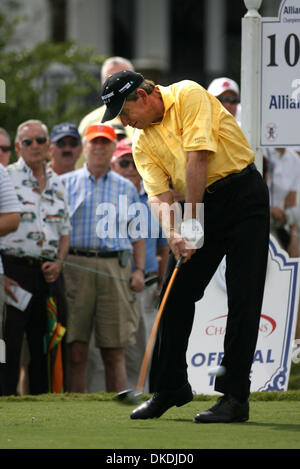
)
(152, 35)
(215, 32)
(250, 76)
(89, 24)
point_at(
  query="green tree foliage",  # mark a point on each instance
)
(52, 82)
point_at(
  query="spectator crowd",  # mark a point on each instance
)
(82, 271)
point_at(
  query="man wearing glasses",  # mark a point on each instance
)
(32, 255)
(65, 148)
(5, 147)
(100, 283)
(228, 93)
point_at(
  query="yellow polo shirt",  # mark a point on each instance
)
(193, 120)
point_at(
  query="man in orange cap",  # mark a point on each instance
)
(100, 290)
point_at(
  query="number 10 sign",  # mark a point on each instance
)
(280, 77)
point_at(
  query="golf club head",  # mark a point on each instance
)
(129, 397)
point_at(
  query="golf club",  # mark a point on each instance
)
(133, 397)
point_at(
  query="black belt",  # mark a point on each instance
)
(151, 278)
(25, 260)
(150, 274)
(93, 253)
(230, 178)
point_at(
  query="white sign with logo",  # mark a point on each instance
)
(272, 359)
(280, 77)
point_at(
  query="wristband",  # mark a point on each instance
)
(191, 230)
(140, 268)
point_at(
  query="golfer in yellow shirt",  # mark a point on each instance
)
(187, 140)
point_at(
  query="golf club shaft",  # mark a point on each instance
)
(147, 355)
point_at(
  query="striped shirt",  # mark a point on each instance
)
(8, 197)
(99, 209)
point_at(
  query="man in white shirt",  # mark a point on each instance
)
(283, 179)
(9, 221)
(33, 254)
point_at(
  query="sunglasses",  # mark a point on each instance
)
(4, 148)
(73, 142)
(231, 100)
(125, 163)
(28, 141)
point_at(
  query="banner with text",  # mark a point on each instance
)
(280, 77)
(272, 359)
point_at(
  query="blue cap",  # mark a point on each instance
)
(65, 129)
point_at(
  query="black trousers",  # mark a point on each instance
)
(33, 322)
(236, 224)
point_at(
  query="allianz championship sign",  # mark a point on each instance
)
(272, 360)
(280, 77)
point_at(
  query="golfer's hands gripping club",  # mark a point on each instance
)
(180, 247)
(188, 241)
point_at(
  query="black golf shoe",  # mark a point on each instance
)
(227, 409)
(162, 401)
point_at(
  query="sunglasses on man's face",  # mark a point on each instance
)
(28, 141)
(126, 163)
(230, 100)
(5, 148)
(72, 142)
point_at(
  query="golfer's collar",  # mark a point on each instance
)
(168, 101)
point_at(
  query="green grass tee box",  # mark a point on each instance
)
(97, 421)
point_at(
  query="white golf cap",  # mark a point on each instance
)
(219, 85)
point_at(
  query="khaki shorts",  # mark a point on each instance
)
(99, 300)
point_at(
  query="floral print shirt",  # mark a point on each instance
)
(44, 216)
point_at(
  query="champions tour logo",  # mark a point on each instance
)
(217, 326)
